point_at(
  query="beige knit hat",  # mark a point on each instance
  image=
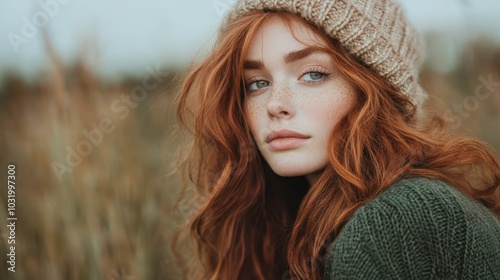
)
(374, 31)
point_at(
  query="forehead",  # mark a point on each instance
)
(279, 34)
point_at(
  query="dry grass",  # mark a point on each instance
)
(110, 217)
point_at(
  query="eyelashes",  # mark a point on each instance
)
(252, 83)
(315, 78)
(309, 75)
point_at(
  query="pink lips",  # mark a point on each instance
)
(284, 139)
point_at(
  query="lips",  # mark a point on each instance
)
(285, 139)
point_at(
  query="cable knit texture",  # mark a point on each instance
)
(417, 229)
(374, 31)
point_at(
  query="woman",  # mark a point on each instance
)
(310, 158)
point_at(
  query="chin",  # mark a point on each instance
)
(285, 170)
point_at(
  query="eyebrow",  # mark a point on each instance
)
(289, 58)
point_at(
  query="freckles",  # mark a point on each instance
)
(254, 106)
(254, 109)
(331, 105)
(283, 91)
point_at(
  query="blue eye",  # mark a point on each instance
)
(314, 76)
(256, 85)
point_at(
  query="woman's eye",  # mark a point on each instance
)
(314, 76)
(258, 85)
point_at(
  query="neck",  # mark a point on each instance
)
(313, 177)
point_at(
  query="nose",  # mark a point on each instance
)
(279, 104)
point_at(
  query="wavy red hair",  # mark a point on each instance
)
(253, 224)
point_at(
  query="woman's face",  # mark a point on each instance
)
(295, 97)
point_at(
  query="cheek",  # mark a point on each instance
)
(340, 108)
(330, 108)
(254, 109)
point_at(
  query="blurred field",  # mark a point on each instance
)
(110, 217)
(107, 218)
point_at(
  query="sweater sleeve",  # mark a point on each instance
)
(418, 229)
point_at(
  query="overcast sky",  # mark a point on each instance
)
(131, 34)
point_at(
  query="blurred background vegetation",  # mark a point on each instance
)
(107, 214)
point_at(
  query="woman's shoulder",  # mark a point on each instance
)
(418, 228)
(420, 198)
(430, 206)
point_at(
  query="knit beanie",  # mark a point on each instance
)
(376, 32)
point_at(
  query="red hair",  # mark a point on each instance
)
(253, 224)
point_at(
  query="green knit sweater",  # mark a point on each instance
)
(417, 229)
